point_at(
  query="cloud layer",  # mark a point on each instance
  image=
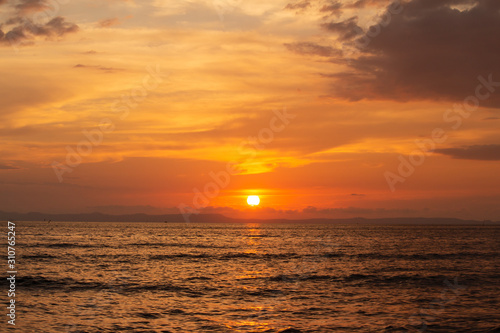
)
(31, 19)
(226, 67)
(475, 152)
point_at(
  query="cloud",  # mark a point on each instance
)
(31, 6)
(431, 50)
(108, 22)
(360, 4)
(301, 4)
(58, 26)
(99, 67)
(241, 212)
(347, 29)
(475, 152)
(134, 209)
(8, 167)
(309, 48)
(334, 7)
(26, 23)
(359, 211)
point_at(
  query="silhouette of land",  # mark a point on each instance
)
(218, 218)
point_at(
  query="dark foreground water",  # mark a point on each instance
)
(156, 277)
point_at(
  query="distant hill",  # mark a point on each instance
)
(100, 217)
(218, 218)
(394, 220)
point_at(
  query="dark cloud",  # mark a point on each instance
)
(27, 30)
(367, 3)
(8, 167)
(333, 7)
(58, 26)
(301, 4)
(476, 152)
(14, 36)
(429, 51)
(26, 24)
(347, 29)
(308, 48)
(425, 49)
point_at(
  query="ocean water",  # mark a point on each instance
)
(157, 277)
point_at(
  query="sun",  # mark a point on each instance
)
(253, 200)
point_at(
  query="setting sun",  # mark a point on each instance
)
(253, 200)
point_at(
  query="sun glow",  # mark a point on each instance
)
(253, 200)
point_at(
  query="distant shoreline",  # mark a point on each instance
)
(218, 218)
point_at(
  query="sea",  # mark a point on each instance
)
(192, 277)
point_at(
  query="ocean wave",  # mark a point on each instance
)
(259, 255)
(225, 256)
(113, 256)
(299, 277)
(149, 315)
(180, 255)
(358, 278)
(425, 256)
(321, 256)
(68, 284)
(42, 282)
(198, 278)
(263, 236)
(66, 245)
(38, 256)
(182, 245)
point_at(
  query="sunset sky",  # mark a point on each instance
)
(322, 108)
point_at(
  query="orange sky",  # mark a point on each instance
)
(134, 106)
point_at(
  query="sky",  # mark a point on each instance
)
(323, 108)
